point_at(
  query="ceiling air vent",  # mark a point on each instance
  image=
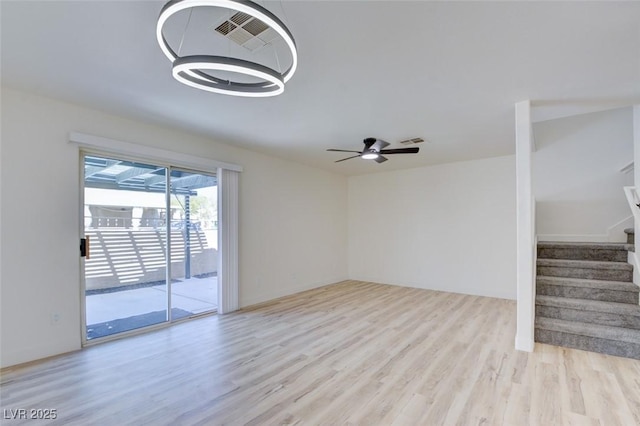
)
(226, 27)
(412, 141)
(240, 18)
(247, 31)
(255, 27)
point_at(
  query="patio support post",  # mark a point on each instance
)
(187, 236)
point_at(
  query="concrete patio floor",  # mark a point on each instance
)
(195, 295)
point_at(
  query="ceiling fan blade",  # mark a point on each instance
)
(411, 150)
(348, 158)
(342, 150)
(380, 159)
(379, 144)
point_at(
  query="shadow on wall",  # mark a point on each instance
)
(577, 178)
(571, 218)
(128, 257)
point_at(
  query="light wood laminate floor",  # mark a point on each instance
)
(350, 353)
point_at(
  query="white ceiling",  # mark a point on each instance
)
(449, 72)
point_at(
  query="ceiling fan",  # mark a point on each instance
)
(373, 150)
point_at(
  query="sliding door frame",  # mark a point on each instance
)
(99, 146)
(167, 230)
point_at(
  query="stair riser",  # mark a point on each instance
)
(583, 254)
(591, 274)
(591, 317)
(631, 238)
(588, 293)
(593, 344)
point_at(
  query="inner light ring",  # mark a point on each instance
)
(183, 68)
(252, 9)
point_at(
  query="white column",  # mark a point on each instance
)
(636, 146)
(227, 241)
(636, 174)
(525, 230)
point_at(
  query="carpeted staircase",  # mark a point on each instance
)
(586, 298)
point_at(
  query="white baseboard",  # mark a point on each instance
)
(38, 351)
(477, 291)
(525, 345)
(286, 291)
(615, 234)
(632, 259)
(575, 238)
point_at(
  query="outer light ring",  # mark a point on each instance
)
(184, 68)
(249, 8)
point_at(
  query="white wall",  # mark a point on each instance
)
(293, 226)
(449, 227)
(577, 179)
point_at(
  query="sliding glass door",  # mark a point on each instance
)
(194, 242)
(138, 234)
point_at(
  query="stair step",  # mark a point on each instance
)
(604, 339)
(589, 311)
(586, 264)
(630, 235)
(580, 288)
(616, 252)
(589, 269)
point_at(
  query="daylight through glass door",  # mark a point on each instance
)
(194, 243)
(128, 215)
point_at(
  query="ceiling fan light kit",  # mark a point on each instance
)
(369, 155)
(189, 69)
(373, 150)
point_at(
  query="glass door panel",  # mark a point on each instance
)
(194, 243)
(125, 222)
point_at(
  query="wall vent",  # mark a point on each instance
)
(247, 31)
(412, 141)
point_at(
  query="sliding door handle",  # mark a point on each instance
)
(85, 247)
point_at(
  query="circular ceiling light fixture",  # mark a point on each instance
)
(183, 69)
(188, 69)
